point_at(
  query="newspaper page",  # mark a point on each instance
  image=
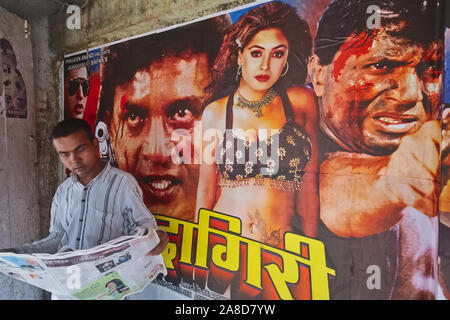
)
(110, 271)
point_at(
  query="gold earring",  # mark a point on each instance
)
(287, 68)
(238, 73)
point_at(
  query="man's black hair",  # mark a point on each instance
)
(342, 18)
(126, 58)
(70, 126)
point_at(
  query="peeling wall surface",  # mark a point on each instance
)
(19, 209)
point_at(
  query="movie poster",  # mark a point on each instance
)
(16, 72)
(82, 85)
(444, 203)
(292, 151)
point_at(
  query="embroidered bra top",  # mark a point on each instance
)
(282, 157)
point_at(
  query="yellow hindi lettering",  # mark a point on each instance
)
(187, 243)
(282, 276)
(187, 239)
(224, 256)
(316, 262)
(254, 258)
(169, 255)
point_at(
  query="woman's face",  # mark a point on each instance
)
(263, 59)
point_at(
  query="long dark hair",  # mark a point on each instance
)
(270, 15)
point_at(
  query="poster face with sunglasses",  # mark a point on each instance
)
(81, 86)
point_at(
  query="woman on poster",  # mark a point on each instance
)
(270, 180)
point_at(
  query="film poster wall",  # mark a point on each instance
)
(334, 197)
(16, 72)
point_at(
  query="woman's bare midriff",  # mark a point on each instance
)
(265, 212)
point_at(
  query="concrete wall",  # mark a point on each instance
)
(31, 170)
(19, 201)
(104, 21)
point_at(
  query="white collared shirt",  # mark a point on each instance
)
(82, 217)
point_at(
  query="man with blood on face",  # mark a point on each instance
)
(378, 93)
(379, 89)
(153, 89)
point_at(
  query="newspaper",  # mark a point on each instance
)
(110, 271)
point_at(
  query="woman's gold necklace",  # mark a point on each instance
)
(256, 106)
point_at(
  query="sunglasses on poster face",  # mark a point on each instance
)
(75, 83)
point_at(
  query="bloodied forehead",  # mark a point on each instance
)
(365, 48)
(169, 79)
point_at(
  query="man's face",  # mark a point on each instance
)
(379, 90)
(78, 154)
(76, 89)
(163, 97)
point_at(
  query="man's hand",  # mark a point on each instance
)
(163, 241)
(415, 166)
(361, 195)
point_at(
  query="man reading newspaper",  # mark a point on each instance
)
(96, 204)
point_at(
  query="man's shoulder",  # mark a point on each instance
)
(126, 181)
(68, 182)
(119, 173)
